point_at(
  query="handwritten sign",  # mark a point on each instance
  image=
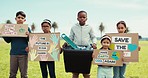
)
(107, 57)
(44, 46)
(13, 30)
(127, 42)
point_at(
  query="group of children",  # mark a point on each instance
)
(81, 34)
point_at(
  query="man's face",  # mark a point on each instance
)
(46, 28)
(82, 17)
(20, 19)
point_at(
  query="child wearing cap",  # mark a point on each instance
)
(105, 71)
(46, 26)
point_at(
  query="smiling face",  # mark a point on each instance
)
(46, 28)
(20, 19)
(105, 44)
(82, 17)
(121, 28)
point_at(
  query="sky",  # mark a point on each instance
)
(64, 12)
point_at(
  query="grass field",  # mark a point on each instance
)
(134, 70)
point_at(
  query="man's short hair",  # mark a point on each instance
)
(82, 12)
(21, 13)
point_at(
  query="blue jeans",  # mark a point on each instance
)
(119, 71)
(51, 68)
(105, 72)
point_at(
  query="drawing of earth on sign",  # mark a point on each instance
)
(115, 55)
(21, 30)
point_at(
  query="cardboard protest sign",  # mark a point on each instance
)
(126, 42)
(44, 47)
(108, 57)
(13, 30)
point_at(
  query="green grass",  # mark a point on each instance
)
(134, 70)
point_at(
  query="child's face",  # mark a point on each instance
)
(105, 44)
(82, 17)
(46, 28)
(121, 28)
(20, 19)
